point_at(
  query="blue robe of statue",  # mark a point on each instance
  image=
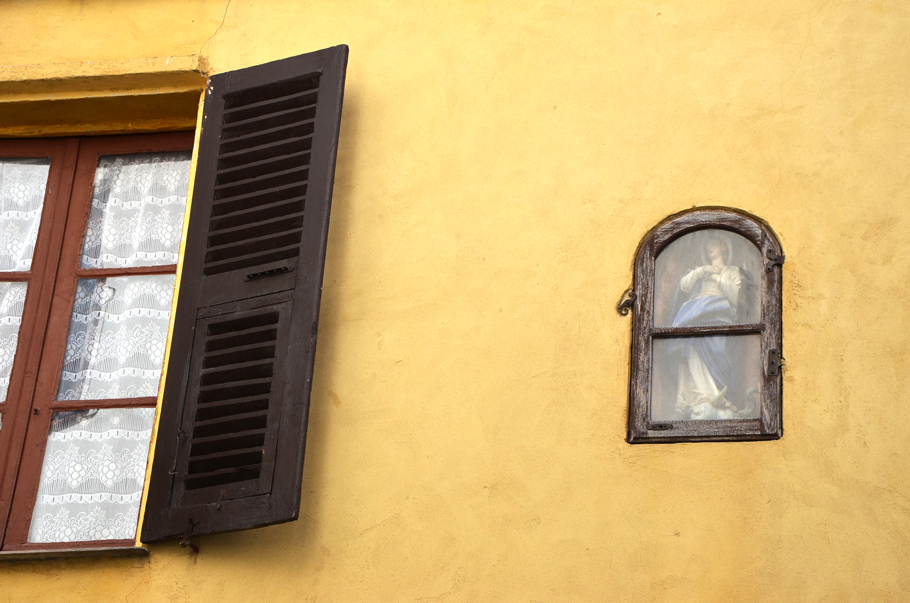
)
(706, 371)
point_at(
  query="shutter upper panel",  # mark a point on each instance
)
(232, 432)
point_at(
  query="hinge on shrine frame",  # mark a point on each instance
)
(775, 362)
(774, 259)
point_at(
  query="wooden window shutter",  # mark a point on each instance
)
(232, 431)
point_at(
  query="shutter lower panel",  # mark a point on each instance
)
(231, 437)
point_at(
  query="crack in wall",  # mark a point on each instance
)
(203, 63)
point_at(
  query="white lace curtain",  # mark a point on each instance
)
(92, 477)
(137, 210)
(22, 186)
(116, 339)
(12, 302)
(94, 465)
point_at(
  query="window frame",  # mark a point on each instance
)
(769, 425)
(39, 355)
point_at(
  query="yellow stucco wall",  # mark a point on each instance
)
(498, 165)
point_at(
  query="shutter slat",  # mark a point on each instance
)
(224, 455)
(227, 419)
(253, 336)
(241, 473)
(250, 388)
(239, 371)
(267, 165)
(269, 102)
(230, 462)
(231, 408)
(239, 246)
(265, 121)
(271, 196)
(235, 158)
(266, 225)
(226, 438)
(238, 355)
(245, 94)
(251, 260)
(237, 384)
(279, 132)
(224, 192)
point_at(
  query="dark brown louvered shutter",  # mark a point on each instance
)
(231, 437)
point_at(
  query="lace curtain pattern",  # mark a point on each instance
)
(118, 331)
(22, 186)
(12, 302)
(92, 477)
(137, 210)
(95, 461)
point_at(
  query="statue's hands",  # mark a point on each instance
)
(704, 271)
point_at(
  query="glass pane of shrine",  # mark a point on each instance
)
(704, 378)
(707, 277)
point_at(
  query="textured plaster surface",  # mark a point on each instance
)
(498, 165)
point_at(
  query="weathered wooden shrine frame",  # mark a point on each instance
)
(768, 426)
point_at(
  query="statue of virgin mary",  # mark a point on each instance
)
(705, 389)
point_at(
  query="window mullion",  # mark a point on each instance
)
(745, 329)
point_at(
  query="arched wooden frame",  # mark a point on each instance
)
(768, 426)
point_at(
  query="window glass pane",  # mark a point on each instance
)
(22, 185)
(92, 476)
(707, 277)
(137, 210)
(116, 339)
(12, 302)
(706, 378)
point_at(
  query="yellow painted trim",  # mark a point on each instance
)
(138, 84)
(99, 128)
(100, 115)
(78, 77)
(170, 330)
(99, 98)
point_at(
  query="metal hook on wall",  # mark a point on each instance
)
(625, 302)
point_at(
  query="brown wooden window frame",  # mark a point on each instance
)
(768, 426)
(53, 277)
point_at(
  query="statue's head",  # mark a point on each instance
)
(717, 245)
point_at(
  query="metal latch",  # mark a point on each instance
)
(268, 273)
